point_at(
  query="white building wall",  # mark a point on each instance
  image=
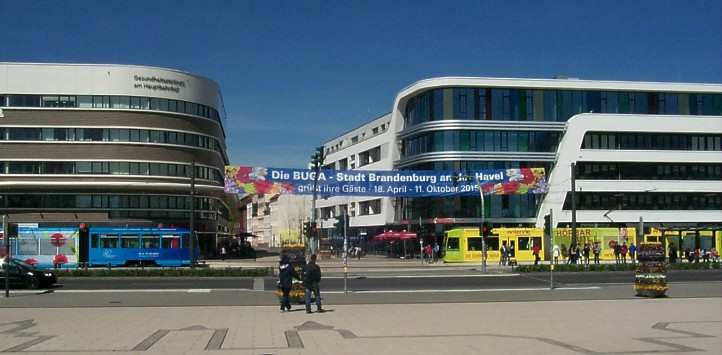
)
(569, 151)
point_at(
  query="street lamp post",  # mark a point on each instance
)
(481, 226)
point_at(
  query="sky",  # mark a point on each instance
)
(295, 74)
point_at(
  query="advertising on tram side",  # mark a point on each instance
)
(607, 238)
(47, 247)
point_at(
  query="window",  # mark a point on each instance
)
(452, 244)
(473, 244)
(108, 241)
(120, 102)
(129, 241)
(24, 134)
(150, 241)
(170, 242)
(58, 167)
(19, 167)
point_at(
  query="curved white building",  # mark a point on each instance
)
(110, 145)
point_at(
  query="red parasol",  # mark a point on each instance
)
(391, 235)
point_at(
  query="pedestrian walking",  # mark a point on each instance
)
(286, 274)
(587, 252)
(311, 280)
(623, 252)
(633, 253)
(535, 250)
(436, 251)
(596, 249)
(223, 253)
(617, 252)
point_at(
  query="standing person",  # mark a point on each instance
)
(672, 253)
(623, 250)
(596, 249)
(502, 258)
(587, 253)
(223, 253)
(311, 280)
(535, 250)
(555, 253)
(617, 252)
(633, 252)
(436, 251)
(570, 255)
(286, 274)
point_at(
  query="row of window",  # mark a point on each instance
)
(481, 141)
(648, 171)
(652, 141)
(466, 103)
(114, 102)
(109, 168)
(105, 201)
(370, 156)
(108, 135)
(371, 207)
(646, 201)
(468, 165)
(492, 243)
(134, 241)
(496, 206)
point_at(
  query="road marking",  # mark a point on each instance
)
(420, 276)
(467, 290)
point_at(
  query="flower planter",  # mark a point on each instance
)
(650, 279)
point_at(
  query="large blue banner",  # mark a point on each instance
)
(244, 180)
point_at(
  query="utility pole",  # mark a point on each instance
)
(6, 239)
(317, 161)
(574, 205)
(345, 249)
(481, 227)
(192, 222)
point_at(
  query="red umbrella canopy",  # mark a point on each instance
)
(391, 235)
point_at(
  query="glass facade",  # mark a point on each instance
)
(109, 168)
(646, 201)
(652, 141)
(509, 104)
(135, 205)
(121, 135)
(648, 171)
(480, 141)
(113, 102)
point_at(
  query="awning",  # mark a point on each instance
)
(391, 235)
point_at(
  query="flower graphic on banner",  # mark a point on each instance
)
(521, 181)
(246, 180)
(60, 259)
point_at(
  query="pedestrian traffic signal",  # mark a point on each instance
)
(485, 230)
(307, 229)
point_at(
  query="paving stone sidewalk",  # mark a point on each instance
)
(674, 326)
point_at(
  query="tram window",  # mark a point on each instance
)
(492, 243)
(108, 241)
(525, 243)
(171, 242)
(452, 244)
(473, 244)
(94, 240)
(150, 241)
(129, 241)
(184, 239)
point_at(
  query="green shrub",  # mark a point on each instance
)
(166, 272)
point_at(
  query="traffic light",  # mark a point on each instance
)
(307, 229)
(318, 158)
(548, 224)
(340, 223)
(485, 230)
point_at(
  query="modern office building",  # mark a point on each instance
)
(368, 147)
(111, 145)
(642, 149)
(465, 124)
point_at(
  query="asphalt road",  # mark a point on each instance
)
(457, 280)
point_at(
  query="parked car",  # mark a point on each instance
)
(22, 274)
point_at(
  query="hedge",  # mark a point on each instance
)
(161, 272)
(613, 267)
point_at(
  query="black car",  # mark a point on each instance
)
(22, 274)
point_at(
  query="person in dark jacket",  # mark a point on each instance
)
(311, 279)
(286, 274)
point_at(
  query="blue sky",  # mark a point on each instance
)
(296, 73)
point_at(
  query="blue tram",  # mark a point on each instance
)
(139, 246)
